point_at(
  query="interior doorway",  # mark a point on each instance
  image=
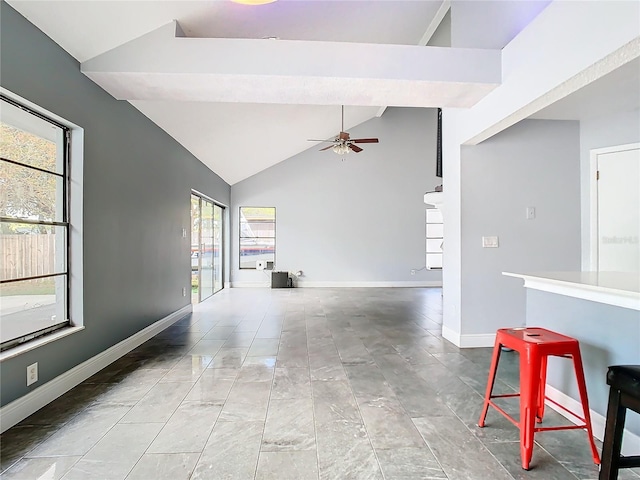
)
(206, 247)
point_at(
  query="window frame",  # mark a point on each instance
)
(65, 223)
(240, 236)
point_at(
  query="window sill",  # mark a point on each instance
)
(38, 342)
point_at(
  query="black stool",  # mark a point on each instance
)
(624, 393)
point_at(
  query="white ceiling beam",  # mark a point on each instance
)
(163, 65)
(431, 29)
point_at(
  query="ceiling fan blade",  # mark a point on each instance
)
(355, 148)
(364, 140)
(326, 148)
(343, 136)
(316, 140)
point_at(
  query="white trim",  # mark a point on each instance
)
(631, 444)
(451, 335)
(593, 196)
(250, 285)
(477, 340)
(387, 284)
(24, 406)
(472, 340)
(38, 342)
(307, 284)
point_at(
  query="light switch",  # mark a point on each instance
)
(489, 242)
(531, 213)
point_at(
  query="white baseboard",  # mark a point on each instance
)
(383, 284)
(250, 284)
(631, 441)
(477, 340)
(451, 335)
(33, 401)
(331, 284)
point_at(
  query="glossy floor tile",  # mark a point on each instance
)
(331, 384)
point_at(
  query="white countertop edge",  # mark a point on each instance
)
(594, 293)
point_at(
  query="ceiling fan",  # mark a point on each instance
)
(342, 144)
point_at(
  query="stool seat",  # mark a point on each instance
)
(625, 378)
(535, 345)
(624, 393)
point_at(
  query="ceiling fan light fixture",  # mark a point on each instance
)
(341, 149)
(253, 2)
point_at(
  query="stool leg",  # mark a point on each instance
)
(582, 388)
(542, 389)
(614, 429)
(529, 391)
(495, 358)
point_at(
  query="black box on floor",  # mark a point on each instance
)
(279, 279)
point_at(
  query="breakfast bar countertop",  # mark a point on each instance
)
(621, 289)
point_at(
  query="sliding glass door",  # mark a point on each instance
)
(206, 248)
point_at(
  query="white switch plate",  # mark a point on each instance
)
(490, 242)
(531, 213)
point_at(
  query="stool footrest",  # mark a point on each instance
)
(504, 414)
(505, 395)
(562, 427)
(629, 462)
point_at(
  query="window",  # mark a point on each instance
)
(257, 235)
(434, 239)
(34, 224)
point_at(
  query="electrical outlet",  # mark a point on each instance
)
(184, 292)
(32, 374)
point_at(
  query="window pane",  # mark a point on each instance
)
(28, 139)
(434, 246)
(252, 249)
(31, 305)
(260, 214)
(435, 230)
(29, 250)
(255, 229)
(31, 194)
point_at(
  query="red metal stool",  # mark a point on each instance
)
(534, 346)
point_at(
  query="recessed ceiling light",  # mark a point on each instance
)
(253, 2)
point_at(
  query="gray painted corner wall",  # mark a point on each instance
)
(357, 220)
(137, 184)
(607, 131)
(535, 163)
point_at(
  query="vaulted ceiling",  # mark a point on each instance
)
(245, 87)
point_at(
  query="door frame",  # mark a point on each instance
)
(593, 196)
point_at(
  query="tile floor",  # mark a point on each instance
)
(296, 384)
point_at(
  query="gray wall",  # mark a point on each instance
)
(608, 131)
(137, 184)
(356, 221)
(608, 335)
(535, 163)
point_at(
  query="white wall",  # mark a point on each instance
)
(360, 221)
(535, 163)
(619, 129)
